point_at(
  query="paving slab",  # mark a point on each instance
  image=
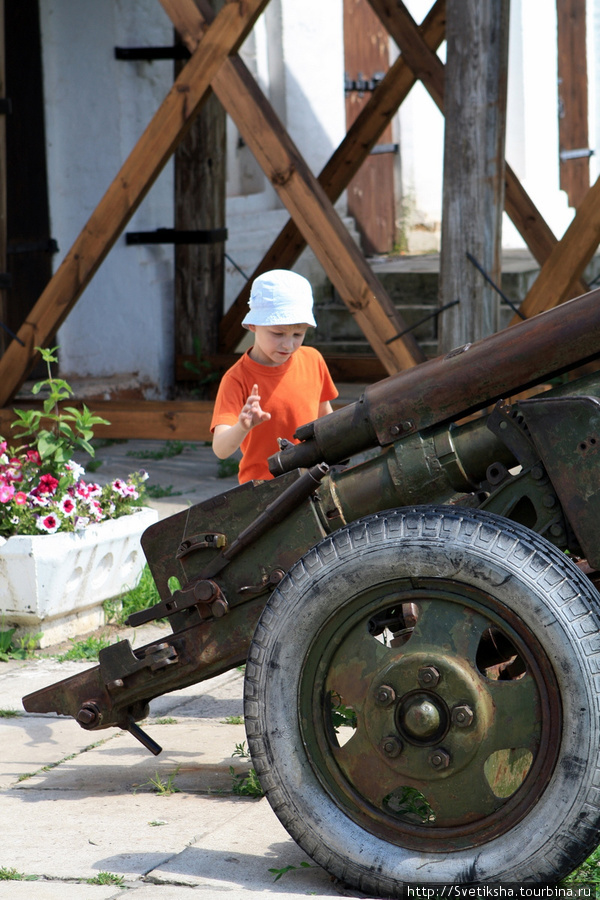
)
(57, 890)
(30, 743)
(197, 758)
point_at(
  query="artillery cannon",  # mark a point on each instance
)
(421, 627)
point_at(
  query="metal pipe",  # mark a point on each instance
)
(451, 387)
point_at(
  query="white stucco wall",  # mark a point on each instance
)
(96, 108)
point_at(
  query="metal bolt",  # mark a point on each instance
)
(394, 429)
(462, 716)
(537, 472)
(439, 759)
(556, 530)
(428, 676)
(391, 745)
(385, 695)
(88, 715)
(549, 501)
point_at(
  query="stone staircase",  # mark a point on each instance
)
(412, 284)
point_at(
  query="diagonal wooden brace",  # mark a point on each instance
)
(340, 168)
(167, 127)
(559, 277)
(303, 196)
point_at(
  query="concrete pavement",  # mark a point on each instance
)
(78, 804)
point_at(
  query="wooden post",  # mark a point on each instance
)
(573, 100)
(200, 205)
(473, 194)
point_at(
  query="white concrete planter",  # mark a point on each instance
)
(56, 583)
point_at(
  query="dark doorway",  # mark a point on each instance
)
(29, 247)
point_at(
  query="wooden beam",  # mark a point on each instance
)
(517, 203)
(169, 420)
(562, 270)
(148, 419)
(138, 173)
(340, 169)
(573, 99)
(304, 198)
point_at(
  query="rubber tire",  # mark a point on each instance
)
(550, 595)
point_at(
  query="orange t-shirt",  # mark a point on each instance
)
(291, 392)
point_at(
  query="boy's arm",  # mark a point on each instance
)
(325, 408)
(227, 438)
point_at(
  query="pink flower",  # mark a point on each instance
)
(48, 484)
(49, 523)
(14, 470)
(6, 493)
(67, 506)
(119, 487)
(3, 447)
(20, 498)
(34, 456)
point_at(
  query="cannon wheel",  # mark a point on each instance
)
(421, 703)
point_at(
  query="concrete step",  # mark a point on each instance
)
(412, 284)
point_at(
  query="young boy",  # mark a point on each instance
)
(277, 385)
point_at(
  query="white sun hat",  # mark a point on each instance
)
(280, 297)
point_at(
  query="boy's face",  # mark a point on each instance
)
(274, 344)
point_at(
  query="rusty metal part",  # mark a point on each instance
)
(566, 433)
(201, 651)
(439, 759)
(89, 715)
(385, 695)
(428, 676)
(213, 541)
(454, 386)
(268, 582)
(462, 716)
(391, 746)
(198, 592)
(275, 512)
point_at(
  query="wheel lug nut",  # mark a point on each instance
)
(385, 695)
(462, 716)
(439, 759)
(391, 745)
(428, 676)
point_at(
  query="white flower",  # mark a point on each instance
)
(76, 470)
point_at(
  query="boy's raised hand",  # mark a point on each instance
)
(251, 413)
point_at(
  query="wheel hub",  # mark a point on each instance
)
(441, 727)
(422, 718)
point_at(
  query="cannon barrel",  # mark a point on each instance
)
(450, 387)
